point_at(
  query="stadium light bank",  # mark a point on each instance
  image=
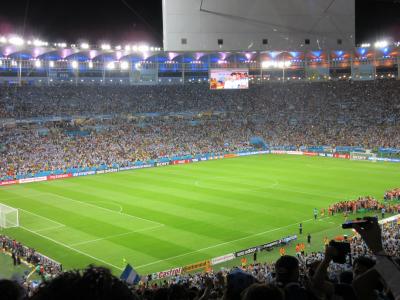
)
(381, 44)
(16, 41)
(105, 47)
(271, 64)
(74, 64)
(85, 46)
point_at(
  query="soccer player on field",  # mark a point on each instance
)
(315, 213)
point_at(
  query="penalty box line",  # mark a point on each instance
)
(71, 248)
(96, 206)
(29, 212)
(115, 235)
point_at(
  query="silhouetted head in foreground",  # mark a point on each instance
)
(287, 269)
(91, 283)
(263, 291)
(10, 290)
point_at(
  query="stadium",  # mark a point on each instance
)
(254, 156)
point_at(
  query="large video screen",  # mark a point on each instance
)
(229, 79)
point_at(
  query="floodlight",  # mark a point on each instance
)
(16, 40)
(381, 44)
(111, 65)
(275, 64)
(51, 64)
(118, 47)
(74, 64)
(144, 48)
(38, 63)
(105, 47)
(127, 48)
(38, 43)
(3, 39)
(124, 65)
(135, 48)
(137, 66)
(90, 64)
(85, 46)
(267, 64)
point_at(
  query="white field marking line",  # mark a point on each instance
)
(50, 228)
(100, 207)
(221, 244)
(60, 224)
(114, 203)
(71, 248)
(115, 235)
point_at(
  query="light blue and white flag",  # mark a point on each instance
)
(129, 275)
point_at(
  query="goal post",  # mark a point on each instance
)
(9, 216)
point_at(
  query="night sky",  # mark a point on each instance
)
(120, 21)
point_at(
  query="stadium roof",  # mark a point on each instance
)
(16, 48)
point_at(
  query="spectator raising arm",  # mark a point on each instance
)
(385, 266)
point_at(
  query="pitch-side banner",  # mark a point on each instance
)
(265, 246)
(200, 265)
(222, 259)
(167, 273)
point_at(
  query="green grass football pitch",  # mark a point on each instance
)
(172, 216)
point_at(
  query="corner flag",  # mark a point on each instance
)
(129, 275)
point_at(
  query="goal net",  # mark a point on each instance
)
(8, 216)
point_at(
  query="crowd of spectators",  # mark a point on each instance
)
(349, 102)
(367, 204)
(393, 194)
(105, 125)
(371, 271)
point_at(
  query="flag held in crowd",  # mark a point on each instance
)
(129, 275)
